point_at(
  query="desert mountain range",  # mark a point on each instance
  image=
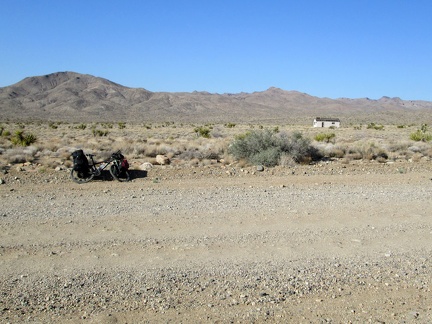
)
(74, 97)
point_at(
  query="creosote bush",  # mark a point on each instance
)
(266, 147)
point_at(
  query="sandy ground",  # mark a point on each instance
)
(333, 244)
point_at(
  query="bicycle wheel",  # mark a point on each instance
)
(81, 177)
(119, 175)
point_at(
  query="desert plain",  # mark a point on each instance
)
(208, 239)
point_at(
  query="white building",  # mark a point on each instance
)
(326, 122)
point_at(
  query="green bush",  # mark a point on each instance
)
(421, 134)
(121, 125)
(202, 131)
(107, 125)
(98, 132)
(81, 126)
(324, 137)
(375, 126)
(266, 147)
(22, 139)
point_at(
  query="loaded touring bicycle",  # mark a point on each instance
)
(84, 170)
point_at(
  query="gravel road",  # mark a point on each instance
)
(331, 244)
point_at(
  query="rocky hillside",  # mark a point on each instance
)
(74, 97)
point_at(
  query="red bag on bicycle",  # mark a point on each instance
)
(124, 165)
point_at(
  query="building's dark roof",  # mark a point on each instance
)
(327, 119)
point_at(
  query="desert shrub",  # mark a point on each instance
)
(421, 134)
(121, 125)
(268, 157)
(202, 131)
(367, 151)
(375, 126)
(331, 150)
(81, 126)
(52, 125)
(107, 125)
(21, 139)
(353, 155)
(266, 147)
(98, 132)
(286, 160)
(324, 137)
(398, 146)
(217, 133)
(20, 155)
(230, 125)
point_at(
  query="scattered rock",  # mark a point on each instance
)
(162, 160)
(146, 166)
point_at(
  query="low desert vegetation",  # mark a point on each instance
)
(325, 137)
(50, 144)
(266, 147)
(21, 139)
(422, 134)
(202, 131)
(375, 126)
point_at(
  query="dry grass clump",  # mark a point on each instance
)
(331, 150)
(19, 154)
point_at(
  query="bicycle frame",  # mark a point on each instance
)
(98, 170)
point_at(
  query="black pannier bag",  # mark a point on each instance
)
(80, 161)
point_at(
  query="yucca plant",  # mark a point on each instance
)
(19, 138)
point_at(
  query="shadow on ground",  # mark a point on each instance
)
(137, 174)
(134, 174)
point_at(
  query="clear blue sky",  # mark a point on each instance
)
(326, 48)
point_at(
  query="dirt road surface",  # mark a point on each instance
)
(334, 244)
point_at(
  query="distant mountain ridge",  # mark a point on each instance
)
(74, 97)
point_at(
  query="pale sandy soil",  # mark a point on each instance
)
(337, 243)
